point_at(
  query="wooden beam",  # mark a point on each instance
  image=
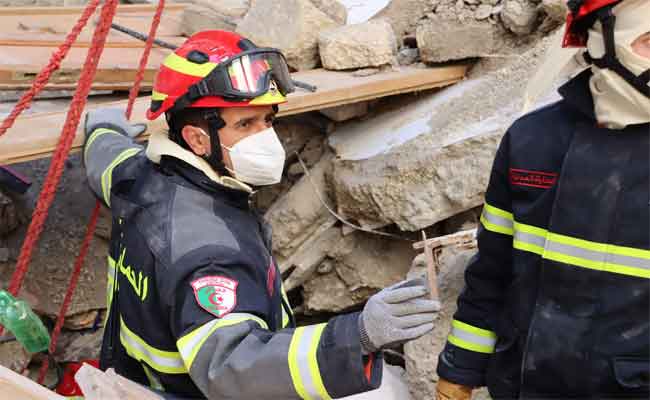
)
(458, 238)
(35, 136)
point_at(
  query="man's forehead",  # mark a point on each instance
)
(237, 113)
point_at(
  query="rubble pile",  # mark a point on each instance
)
(361, 180)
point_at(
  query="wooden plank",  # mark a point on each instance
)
(432, 273)
(15, 386)
(457, 238)
(116, 66)
(35, 136)
(60, 20)
(38, 31)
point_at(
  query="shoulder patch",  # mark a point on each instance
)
(216, 294)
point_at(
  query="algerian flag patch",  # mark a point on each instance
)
(216, 294)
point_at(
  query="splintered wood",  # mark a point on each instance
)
(429, 247)
(29, 35)
(35, 136)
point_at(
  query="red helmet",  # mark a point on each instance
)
(217, 69)
(580, 11)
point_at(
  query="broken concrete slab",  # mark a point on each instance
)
(292, 26)
(78, 346)
(202, 15)
(54, 256)
(14, 356)
(301, 212)
(309, 257)
(346, 112)
(369, 44)
(443, 39)
(11, 215)
(362, 264)
(403, 15)
(430, 158)
(334, 9)
(520, 16)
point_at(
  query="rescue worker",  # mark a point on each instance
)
(196, 304)
(557, 299)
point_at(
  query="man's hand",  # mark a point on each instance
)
(446, 390)
(397, 314)
(111, 118)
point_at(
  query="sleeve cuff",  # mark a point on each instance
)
(340, 350)
(462, 367)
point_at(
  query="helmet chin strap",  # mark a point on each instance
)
(610, 60)
(215, 159)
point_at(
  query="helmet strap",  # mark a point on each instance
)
(610, 60)
(215, 159)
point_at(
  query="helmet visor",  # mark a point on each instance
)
(251, 73)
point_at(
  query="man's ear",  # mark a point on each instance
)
(196, 139)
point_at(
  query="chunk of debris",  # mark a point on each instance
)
(292, 26)
(369, 44)
(202, 15)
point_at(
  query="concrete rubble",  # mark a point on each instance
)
(290, 25)
(202, 15)
(369, 44)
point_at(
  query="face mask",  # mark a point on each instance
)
(258, 159)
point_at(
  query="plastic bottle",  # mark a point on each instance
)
(17, 317)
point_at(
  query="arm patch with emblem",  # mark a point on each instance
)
(215, 294)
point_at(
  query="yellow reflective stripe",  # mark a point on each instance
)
(190, 344)
(182, 65)
(498, 212)
(497, 220)
(157, 96)
(303, 363)
(472, 338)
(285, 316)
(168, 362)
(597, 265)
(474, 330)
(470, 346)
(96, 133)
(107, 175)
(600, 247)
(582, 253)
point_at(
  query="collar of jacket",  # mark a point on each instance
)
(160, 145)
(577, 94)
(173, 158)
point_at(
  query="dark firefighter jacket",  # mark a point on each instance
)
(180, 243)
(557, 300)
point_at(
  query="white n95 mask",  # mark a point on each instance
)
(258, 159)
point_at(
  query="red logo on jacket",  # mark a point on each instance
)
(538, 179)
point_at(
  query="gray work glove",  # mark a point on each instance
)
(111, 118)
(397, 314)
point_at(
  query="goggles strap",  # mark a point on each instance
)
(610, 60)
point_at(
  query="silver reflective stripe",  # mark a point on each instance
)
(164, 361)
(190, 344)
(303, 361)
(530, 238)
(497, 220)
(470, 337)
(597, 256)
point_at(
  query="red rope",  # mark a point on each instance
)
(54, 64)
(145, 58)
(90, 230)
